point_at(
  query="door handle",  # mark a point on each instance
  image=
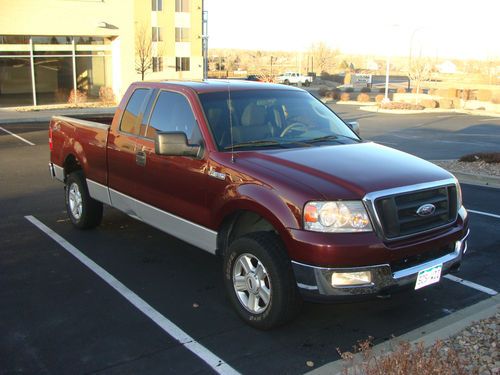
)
(140, 158)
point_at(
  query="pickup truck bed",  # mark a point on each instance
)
(89, 150)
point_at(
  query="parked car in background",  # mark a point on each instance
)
(294, 78)
(255, 78)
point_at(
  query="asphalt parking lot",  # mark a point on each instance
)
(59, 316)
(432, 136)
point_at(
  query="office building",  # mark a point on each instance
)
(53, 51)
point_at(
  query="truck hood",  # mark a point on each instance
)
(345, 171)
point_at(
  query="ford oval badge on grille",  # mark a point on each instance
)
(426, 210)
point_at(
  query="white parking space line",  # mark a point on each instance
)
(216, 363)
(18, 137)
(470, 284)
(484, 213)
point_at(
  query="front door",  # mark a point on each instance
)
(174, 187)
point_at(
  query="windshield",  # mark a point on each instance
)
(272, 119)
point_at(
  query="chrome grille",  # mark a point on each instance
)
(397, 213)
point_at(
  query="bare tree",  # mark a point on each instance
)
(323, 56)
(143, 50)
(146, 50)
(420, 70)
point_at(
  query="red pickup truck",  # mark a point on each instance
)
(273, 181)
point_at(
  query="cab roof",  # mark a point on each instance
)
(218, 85)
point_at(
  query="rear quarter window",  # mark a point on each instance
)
(131, 114)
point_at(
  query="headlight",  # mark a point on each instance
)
(338, 216)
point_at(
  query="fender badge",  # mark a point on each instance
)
(217, 175)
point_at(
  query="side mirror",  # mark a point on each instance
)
(175, 144)
(354, 125)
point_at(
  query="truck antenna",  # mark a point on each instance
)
(230, 105)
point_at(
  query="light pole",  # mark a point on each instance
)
(386, 96)
(411, 46)
(204, 39)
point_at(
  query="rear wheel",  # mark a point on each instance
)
(286, 82)
(259, 280)
(84, 212)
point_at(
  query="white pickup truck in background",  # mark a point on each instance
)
(294, 78)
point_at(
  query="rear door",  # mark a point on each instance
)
(124, 162)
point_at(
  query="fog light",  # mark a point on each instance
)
(351, 278)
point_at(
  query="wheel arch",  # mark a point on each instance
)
(259, 210)
(70, 165)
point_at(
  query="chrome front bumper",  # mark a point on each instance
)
(315, 281)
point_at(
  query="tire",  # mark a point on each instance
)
(286, 82)
(259, 280)
(83, 211)
(307, 83)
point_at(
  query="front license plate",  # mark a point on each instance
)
(428, 276)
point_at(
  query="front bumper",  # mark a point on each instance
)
(314, 282)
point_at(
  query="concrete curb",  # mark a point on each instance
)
(479, 180)
(470, 178)
(427, 111)
(351, 102)
(440, 329)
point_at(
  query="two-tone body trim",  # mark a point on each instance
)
(167, 222)
(99, 192)
(56, 172)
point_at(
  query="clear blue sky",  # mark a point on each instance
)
(443, 28)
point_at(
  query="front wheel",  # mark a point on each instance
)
(84, 212)
(259, 280)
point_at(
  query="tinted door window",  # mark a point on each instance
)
(172, 113)
(129, 123)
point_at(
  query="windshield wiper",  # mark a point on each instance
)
(330, 137)
(256, 143)
(267, 143)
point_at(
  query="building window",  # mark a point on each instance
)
(157, 5)
(53, 79)
(157, 34)
(15, 80)
(182, 64)
(182, 5)
(58, 71)
(93, 74)
(157, 64)
(52, 39)
(182, 34)
(14, 39)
